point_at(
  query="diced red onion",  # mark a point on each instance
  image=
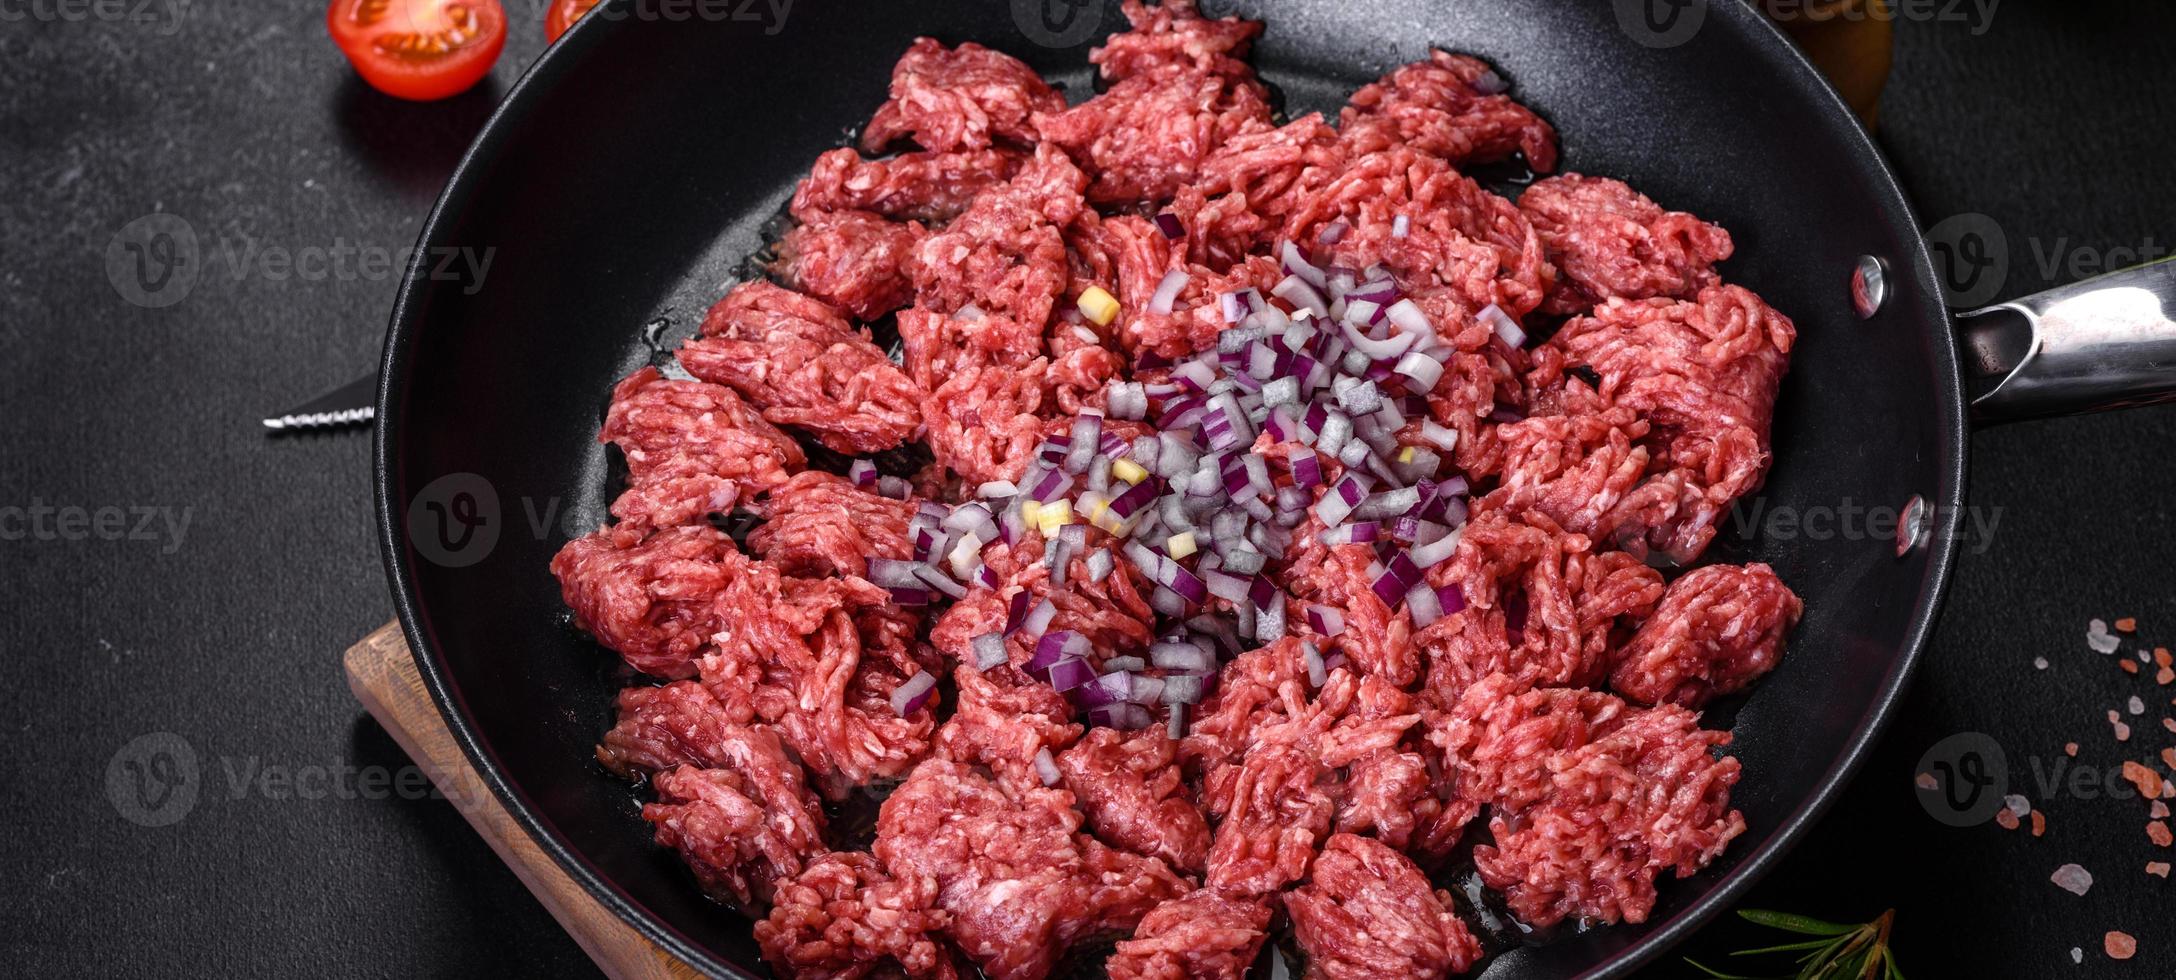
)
(1433, 553)
(1182, 689)
(1168, 223)
(1049, 486)
(1069, 673)
(893, 573)
(1398, 577)
(1452, 598)
(1110, 688)
(894, 487)
(862, 472)
(1400, 225)
(1037, 620)
(1317, 673)
(1123, 715)
(1421, 602)
(1046, 768)
(936, 579)
(909, 596)
(910, 696)
(1182, 656)
(1407, 316)
(1389, 348)
(1333, 232)
(1326, 620)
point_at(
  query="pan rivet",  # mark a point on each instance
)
(1869, 285)
(1911, 526)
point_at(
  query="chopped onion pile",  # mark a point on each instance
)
(1336, 372)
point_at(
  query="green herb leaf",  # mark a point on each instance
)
(1787, 922)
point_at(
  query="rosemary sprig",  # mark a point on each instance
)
(1836, 951)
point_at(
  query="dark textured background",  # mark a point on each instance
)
(242, 119)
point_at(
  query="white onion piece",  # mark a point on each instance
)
(1408, 316)
(996, 488)
(1421, 601)
(1434, 552)
(1422, 370)
(1046, 768)
(1167, 292)
(1317, 674)
(989, 650)
(1298, 265)
(1297, 291)
(1380, 350)
(909, 697)
(1503, 324)
(1400, 225)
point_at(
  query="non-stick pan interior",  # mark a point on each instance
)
(634, 168)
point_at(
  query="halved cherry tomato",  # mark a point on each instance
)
(419, 49)
(563, 15)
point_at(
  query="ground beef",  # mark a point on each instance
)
(679, 724)
(798, 360)
(1251, 183)
(1146, 136)
(1377, 639)
(1703, 375)
(1451, 106)
(1173, 39)
(1113, 614)
(1609, 241)
(1204, 935)
(1366, 912)
(650, 597)
(855, 260)
(1396, 788)
(1004, 256)
(843, 918)
(1594, 798)
(918, 186)
(793, 651)
(983, 423)
(1718, 629)
(741, 828)
(938, 346)
(1591, 473)
(1128, 256)
(819, 524)
(1128, 785)
(1004, 720)
(1541, 605)
(1020, 883)
(1464, 248)
(692, 449)
(1278, 806)
(968, 97)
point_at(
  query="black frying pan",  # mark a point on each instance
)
(633, 168)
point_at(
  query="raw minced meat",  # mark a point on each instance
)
(1172, 38)
(1203, 935)
(1541, 604)
(1130, 789)
(1464, 249)
(798, 360)
(741, 827)
(1020, 882)
(1147, 136)
(1340, 741)
(649, 597)
(1366, 912)
(794, 651)
(1609, 241)
(918, 186)
(844, 918)
(692, 449)
(1718, 629)
(1594, 799)
(857, 261)
(968, 97)
(1451, 105)
(820, 524)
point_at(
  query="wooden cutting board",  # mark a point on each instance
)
(1839, 36)
(384, 678)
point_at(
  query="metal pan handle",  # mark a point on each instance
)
(2103, 343)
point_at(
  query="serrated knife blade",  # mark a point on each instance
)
(354, 403)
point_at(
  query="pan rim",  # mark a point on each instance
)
(1796, 71)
